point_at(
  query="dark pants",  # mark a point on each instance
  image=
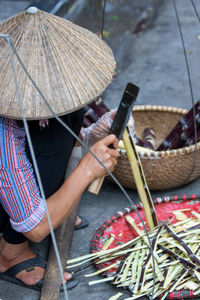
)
(52, 146)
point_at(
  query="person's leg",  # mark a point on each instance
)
(13, 254)
(14, 247)
(8, 234)
(3, 219)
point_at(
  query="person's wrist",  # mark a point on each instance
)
(86, 173)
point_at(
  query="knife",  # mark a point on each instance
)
(119, 124)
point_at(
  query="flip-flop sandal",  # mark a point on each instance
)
(84, 223)
(28, 265)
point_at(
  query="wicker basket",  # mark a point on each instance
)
(163, 169)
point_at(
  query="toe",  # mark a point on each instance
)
(67, 276)
(78, 221)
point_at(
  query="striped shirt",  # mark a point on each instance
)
(19, 192)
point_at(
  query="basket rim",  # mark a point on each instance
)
(166, 153)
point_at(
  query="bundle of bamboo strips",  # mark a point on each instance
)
(176, 252)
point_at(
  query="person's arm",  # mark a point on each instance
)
(61, 203)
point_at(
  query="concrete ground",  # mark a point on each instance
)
(152, 59)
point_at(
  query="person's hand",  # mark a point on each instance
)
(105, 154)
(100, 129)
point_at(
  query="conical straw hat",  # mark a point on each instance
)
(69, 64)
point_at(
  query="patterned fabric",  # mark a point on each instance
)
(19, 193)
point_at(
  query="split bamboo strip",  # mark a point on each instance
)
(101, 280)
(115, 265)
(140, 180)
(108, 242)
(115, 297)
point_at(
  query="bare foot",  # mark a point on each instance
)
(12, 254)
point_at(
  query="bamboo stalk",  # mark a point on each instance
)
(140, 180)
(90, 114)
(184, 127)
(99, 108)
(191, 140)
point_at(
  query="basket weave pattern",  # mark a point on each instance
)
(162, 169)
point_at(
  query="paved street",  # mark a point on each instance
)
(153, 60)
(8, 8)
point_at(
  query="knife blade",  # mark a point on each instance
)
(119, 124)
(124, 110)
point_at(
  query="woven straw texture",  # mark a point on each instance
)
(69, 64)
(162, 169)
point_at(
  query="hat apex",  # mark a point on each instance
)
(32, 10)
